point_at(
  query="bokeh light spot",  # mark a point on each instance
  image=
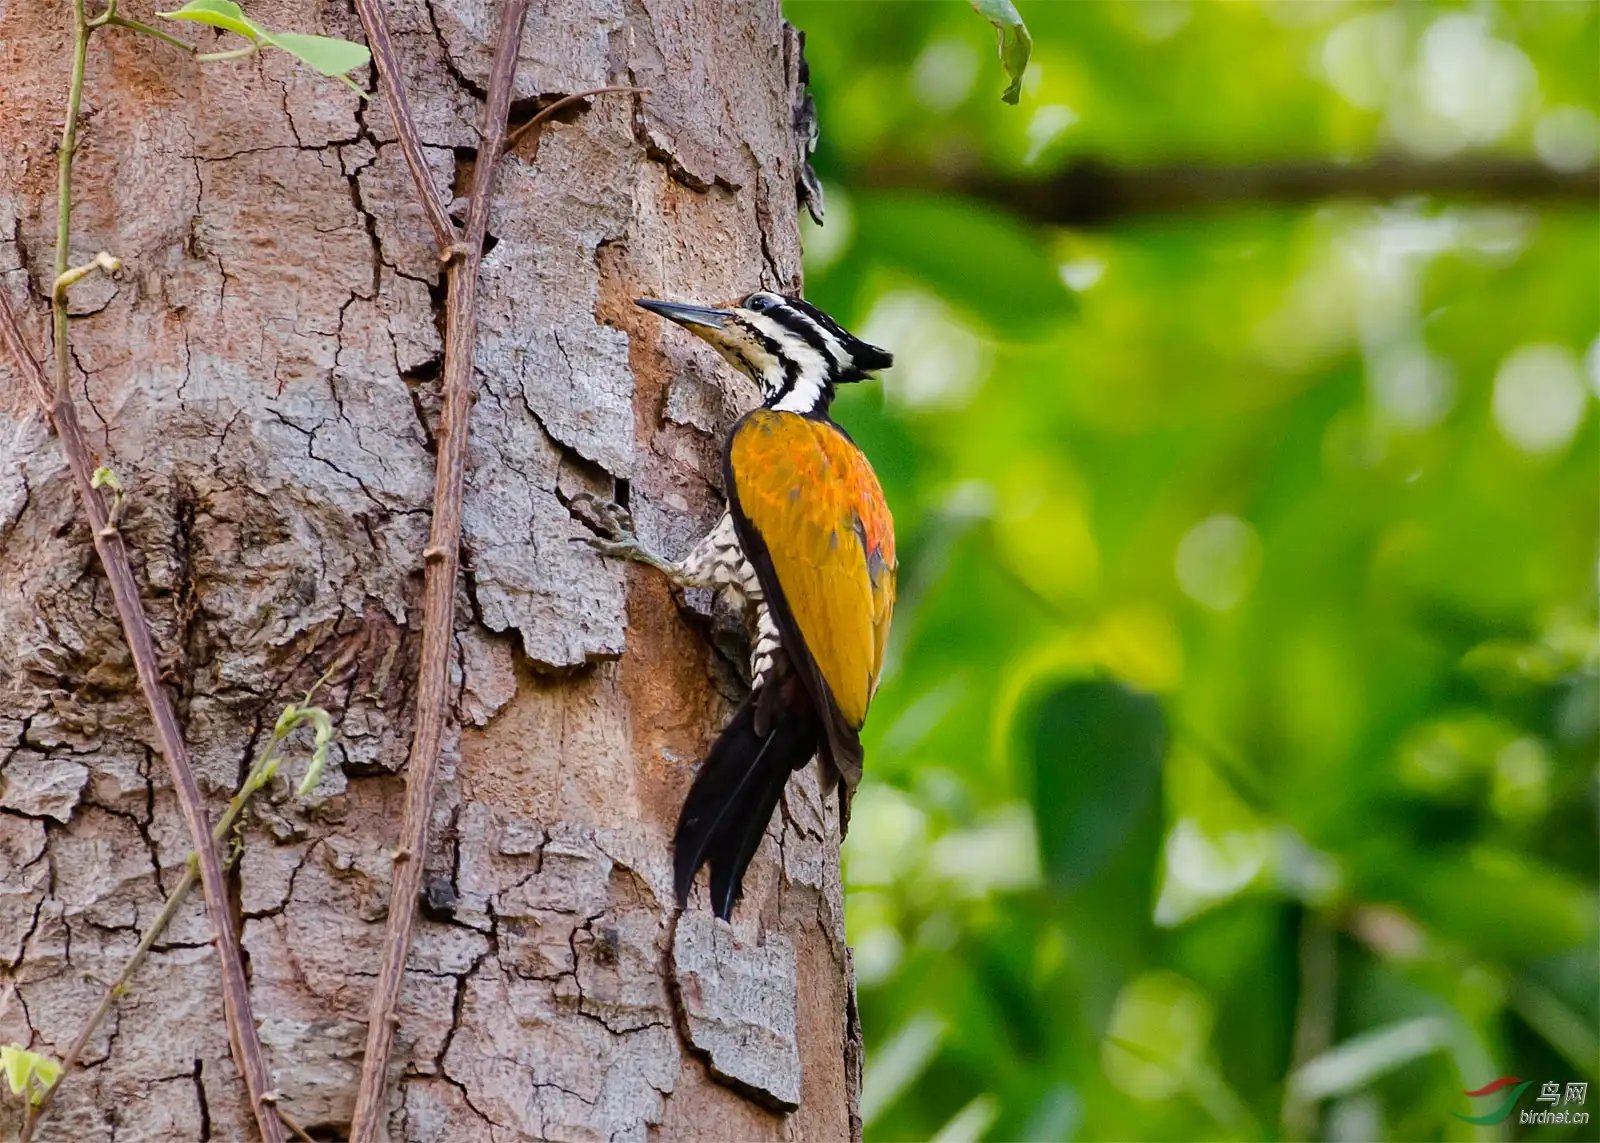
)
(944, 73)
(1046, 126)
(939, 359)
(1567, 138)
(1363, 55)
(1218, 561)
(1539, 398)
(1157, 1036)
(1082, 273)
(1412, 388)
(1521, 790)
(825, 245)
(892, 838)
(1471, 88)
(1202, 871)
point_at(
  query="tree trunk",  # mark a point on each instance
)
(262, 377)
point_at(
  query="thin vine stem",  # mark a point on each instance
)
(243, 53)
(69, 146)
(258, 777)
(265, 768)
(463, 255)
(146, 29)
(242, 1035)
(544, 113)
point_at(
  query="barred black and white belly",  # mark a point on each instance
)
(718, 561)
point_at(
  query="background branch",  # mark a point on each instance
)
(444, 541)
(1094, 193)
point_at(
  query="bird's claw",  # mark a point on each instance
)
(610, 519)
(614, 524)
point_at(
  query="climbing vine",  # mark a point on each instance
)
(32, 1076)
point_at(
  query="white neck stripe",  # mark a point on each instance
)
(812, 369)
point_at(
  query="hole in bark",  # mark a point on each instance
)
(438, 293)
(423, 385)
(438, 898)
(425, 374)
(623, 491)
(490, 241)
(200, 1095)
(523, 111)
(466, 167)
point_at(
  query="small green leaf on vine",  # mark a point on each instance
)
(294, 716)
(223, 14)
(319, 751)
(28, 1072)
(326, 55)
(287, 721)
(329, 56)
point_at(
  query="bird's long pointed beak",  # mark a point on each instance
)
(703, 317)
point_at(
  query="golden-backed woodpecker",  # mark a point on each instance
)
(807, 547)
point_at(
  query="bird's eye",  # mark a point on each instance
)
(758, 302)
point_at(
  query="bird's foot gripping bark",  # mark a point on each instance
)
(615, 538)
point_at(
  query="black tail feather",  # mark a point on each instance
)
(734, 794)
(742, 838)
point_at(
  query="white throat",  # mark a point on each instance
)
(804, 397)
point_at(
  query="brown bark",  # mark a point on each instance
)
(263, 378)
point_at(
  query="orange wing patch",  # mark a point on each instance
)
(811, 496)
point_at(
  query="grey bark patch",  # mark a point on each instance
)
(540, 345)
(24, 880)
(565, 47)
(529, 573)
(579, 935)
(42, 787)
(739, 1004)
(316, 1064)
(489, 678)
(696, 403)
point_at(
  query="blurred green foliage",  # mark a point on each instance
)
(1235, 774)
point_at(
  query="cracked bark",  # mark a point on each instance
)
(264, 379)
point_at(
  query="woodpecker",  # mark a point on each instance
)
(806, 546)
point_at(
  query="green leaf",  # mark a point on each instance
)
(14, 1059)
(27, 1071)
(1095, 749)
(1015, 43)
(1502, 903)
(326, 54)
(1354, 1064)
(287, 721)
(223, 14)
(319, 755)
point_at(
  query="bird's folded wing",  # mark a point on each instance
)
(808, 492)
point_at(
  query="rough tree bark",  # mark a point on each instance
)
(263, 379)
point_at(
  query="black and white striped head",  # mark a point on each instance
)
(794, 351)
